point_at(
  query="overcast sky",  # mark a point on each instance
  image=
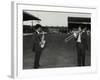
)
(53, 18)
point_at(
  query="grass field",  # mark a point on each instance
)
(57, 52)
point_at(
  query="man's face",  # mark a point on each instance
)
(39, 29)
(79, 29)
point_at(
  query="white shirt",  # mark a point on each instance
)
(79, 38)
(38, 32)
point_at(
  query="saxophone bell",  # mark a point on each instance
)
(43, 41)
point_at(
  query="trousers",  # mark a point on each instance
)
(37, 59)
(81, 52)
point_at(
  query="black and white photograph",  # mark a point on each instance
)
(56, 39)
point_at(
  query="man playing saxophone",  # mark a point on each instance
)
(38, 44)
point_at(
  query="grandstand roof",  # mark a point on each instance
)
(27, 16)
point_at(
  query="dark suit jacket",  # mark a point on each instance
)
(36, 42)
(84, 40)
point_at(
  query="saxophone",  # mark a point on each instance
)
(43, 41)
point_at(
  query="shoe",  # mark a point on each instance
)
(35, 67)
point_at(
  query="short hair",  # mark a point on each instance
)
(37, 26)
